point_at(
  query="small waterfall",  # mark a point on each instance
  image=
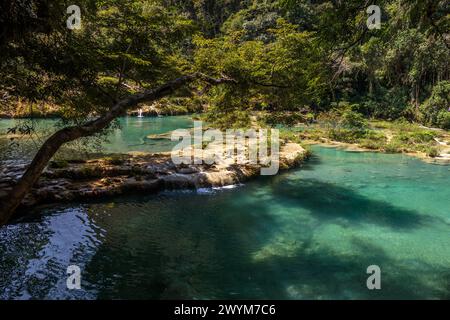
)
(140, 113)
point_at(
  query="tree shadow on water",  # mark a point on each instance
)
(319, 273)
(328, 201)
(211, 253)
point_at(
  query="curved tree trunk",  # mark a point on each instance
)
(52, 144)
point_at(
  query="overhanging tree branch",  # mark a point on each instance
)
(9, 204)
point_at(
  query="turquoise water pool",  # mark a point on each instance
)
(309, 233)
(130, 134)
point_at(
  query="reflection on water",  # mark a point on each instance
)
(306, 234)
(130, 134)
(133, 132)
(36, 254)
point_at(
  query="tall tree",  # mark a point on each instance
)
(89, 72)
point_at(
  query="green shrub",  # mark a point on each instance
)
(423, 136)
(417, 137)
(288, 135)
(371, 144)
(375, 136)
(433, 152)
(434, 108)
(346, 135)
(443, 119)
(353, 121)
(393, 147)
(346, 126)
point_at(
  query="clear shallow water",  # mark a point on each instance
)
(133, 132)
(306, 234)
(130, 135)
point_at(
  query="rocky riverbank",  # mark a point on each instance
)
(131, 174)
(431, 145)
(442, 158)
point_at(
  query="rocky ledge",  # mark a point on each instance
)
(133, 173)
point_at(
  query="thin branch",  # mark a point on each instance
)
(9, 204)
(122, 70)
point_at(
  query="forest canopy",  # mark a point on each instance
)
(285, 55)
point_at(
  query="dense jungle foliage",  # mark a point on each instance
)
(292, 59)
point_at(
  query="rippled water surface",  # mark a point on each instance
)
(306, 234)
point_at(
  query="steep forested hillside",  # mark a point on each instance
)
(295, 55)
